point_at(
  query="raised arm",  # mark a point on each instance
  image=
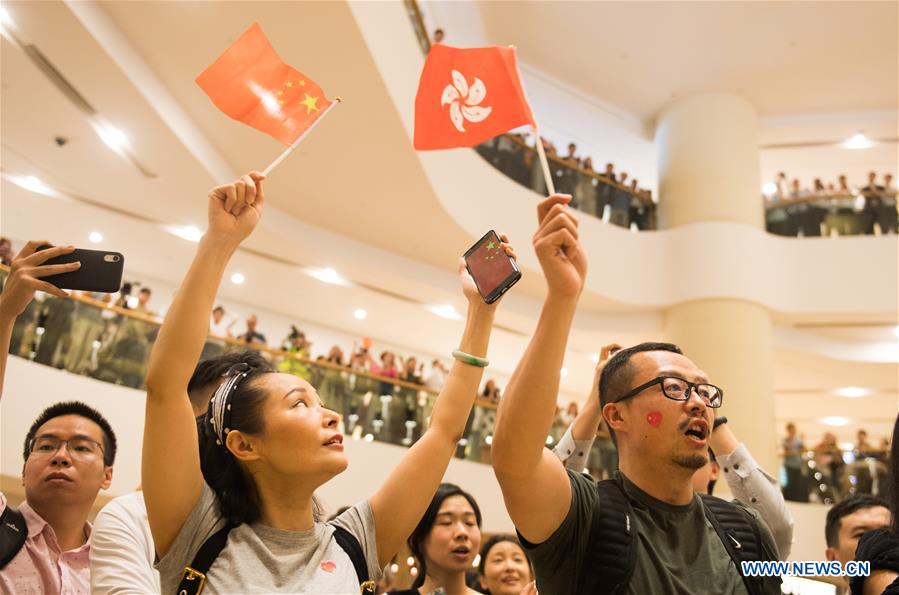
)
(170, 472)
(573, 449)
(24, 279)
(402, 499)
(525, 414)
(752, 486)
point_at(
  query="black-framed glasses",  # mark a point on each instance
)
(83, 449)
(678, 389)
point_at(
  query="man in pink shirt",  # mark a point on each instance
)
(69, 452)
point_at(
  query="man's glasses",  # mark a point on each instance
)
(678, 389)
(83, 449)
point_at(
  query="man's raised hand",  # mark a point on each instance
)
(558, 248)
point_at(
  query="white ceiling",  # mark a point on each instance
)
(336, 199)
(784, 57)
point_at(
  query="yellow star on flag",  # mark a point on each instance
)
(288, 84)
(302, 83)
(280, 93)
(310, 102)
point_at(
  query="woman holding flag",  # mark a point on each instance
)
(267, 443)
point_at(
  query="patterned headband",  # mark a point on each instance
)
(219, 412)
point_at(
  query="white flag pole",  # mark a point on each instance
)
(547, 175)
(297, 142)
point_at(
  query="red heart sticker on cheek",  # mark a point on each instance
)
(654, 418)
(329, 567)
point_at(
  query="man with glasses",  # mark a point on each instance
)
(645, 531)
(69, 452)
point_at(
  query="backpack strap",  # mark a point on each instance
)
(738, 530)
(608, 562)
(194, 577)
(13, 533)
(348, 542)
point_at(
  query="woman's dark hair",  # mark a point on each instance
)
(417, 539)
(236, 492)
(500, 538)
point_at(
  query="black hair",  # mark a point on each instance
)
(496, 539)
(211, 372)
(417, 538)
(618, 374)
(844, 508)
(235, 490)
(74, 408)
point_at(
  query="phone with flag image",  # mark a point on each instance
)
(493, 271)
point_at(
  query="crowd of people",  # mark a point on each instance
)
(827, 472)
(234, 452)
(832, 209)
(609, 195)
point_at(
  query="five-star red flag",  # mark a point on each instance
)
(250, 83)
(468, 95)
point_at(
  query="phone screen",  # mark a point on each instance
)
(489, 264)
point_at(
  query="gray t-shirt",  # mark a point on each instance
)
(678, 550)
(260, 559)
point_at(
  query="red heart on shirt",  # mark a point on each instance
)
(329, 566)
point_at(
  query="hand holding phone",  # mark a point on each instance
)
(492, 270)
(100, 271)
(27, 274)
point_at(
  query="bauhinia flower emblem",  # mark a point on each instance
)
(464, 101)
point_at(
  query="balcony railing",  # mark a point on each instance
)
(841, 213)
(90, 338)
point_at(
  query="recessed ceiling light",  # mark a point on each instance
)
(769, 188)
(95, 237)
(5, 18)
(360, 314)
(327, 275)
(858, 141)
(191, 233)
(563, 372)
(445, 311)
(114, 138)
(896, 331)
(594, 358)
(852, 392)
(835, 420)
(238, 278)
(32, 184)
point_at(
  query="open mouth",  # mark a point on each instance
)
(698, 430)
(337, 439)
(462, 551)
(511, 579)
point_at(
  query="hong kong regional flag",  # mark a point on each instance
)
(250, 83)
(468, 95)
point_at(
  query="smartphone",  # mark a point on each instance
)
(493, 271)
(100, 271)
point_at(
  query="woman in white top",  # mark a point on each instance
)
(269, 443)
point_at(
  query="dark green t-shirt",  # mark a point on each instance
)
(678, 550)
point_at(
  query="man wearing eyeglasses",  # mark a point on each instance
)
(644, 531)
(69, 452)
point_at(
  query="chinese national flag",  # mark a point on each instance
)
(468, 95)
(250, 83)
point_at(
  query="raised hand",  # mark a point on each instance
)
(25, 277)
(558, 248)
(235, 209)
(468, 285)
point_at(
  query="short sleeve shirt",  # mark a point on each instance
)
(678, 550)
(260, 559)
